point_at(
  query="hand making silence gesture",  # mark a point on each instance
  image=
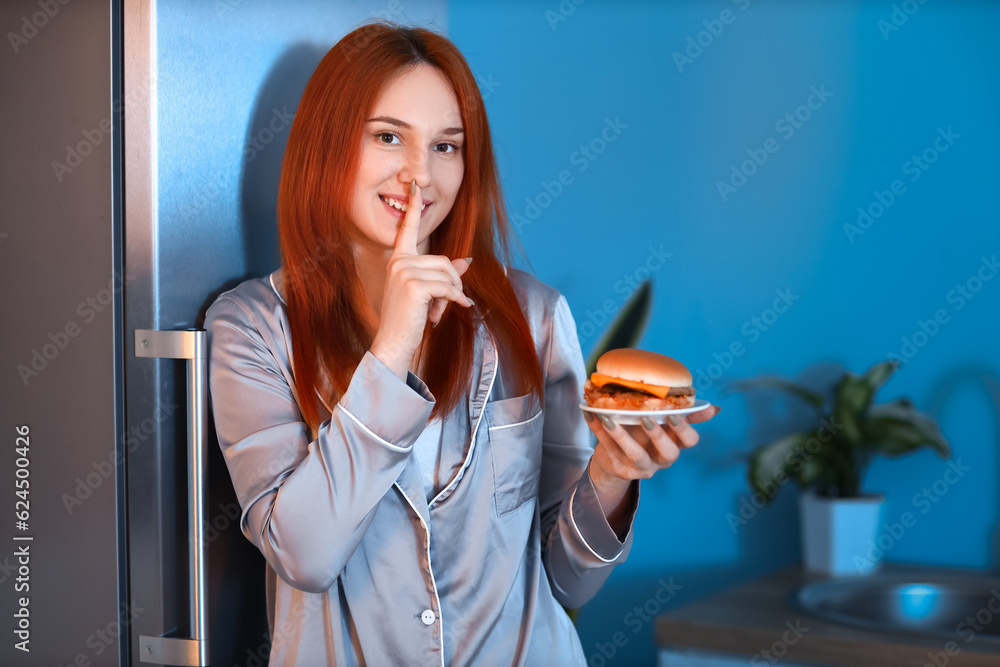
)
(418, 288)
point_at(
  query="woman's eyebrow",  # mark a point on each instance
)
(406, 126)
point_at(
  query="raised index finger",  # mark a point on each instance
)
(406, 235)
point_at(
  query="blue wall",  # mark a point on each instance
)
(886, 95)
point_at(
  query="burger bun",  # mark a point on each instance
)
(666, 374)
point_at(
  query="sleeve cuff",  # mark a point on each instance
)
(394, 411)
(592, 525)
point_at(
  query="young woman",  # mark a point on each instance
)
(398, 409)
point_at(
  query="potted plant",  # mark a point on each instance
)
(828, 461)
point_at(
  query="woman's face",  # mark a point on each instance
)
(415, 132)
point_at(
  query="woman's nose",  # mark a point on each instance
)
(416, 167)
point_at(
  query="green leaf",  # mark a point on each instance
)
(879, 374)
(809, 396)
(897, 428)
(574, 614)
(892, 446)
(848, 397)
(812, 470)
(628, 326)
(854, 394)
(778, 456)
(832, 465)
(849, 436)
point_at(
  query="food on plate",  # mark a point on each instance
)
(628, 379)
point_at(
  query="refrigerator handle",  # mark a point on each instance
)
(191, 346)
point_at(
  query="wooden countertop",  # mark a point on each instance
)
(752, 617)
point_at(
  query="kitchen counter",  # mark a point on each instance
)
(759, 618)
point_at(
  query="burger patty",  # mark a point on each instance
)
(616, 397)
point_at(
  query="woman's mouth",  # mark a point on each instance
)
(398, 206)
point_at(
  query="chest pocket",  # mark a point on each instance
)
(515, 429)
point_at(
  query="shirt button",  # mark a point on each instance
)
(427, 617)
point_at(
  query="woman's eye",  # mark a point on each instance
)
(386, 137)
(446, 148)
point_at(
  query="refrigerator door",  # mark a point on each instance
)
(61, 569)
(210, 93)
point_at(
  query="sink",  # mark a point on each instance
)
(940, 605)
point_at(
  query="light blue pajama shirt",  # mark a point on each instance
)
(362, 569)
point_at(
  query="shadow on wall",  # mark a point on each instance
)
(267, 134)
(261, 159)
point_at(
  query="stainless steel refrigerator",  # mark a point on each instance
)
(143, 145)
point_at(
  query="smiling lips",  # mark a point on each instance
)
(398, 203)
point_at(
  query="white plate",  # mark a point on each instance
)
(635, 416)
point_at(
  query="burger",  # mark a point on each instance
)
(628, 379)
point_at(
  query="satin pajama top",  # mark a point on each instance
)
(361, 568)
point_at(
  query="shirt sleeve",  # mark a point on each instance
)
(580, 548)
(306, 502)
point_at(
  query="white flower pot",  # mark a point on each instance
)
(838, 534)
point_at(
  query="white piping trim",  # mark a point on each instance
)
(576, 528)
(520, 423)
(472, 444)
(372, 433)
(430, 568)
(325, 405)
(270, 279)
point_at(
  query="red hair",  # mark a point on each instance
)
(322, 284)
